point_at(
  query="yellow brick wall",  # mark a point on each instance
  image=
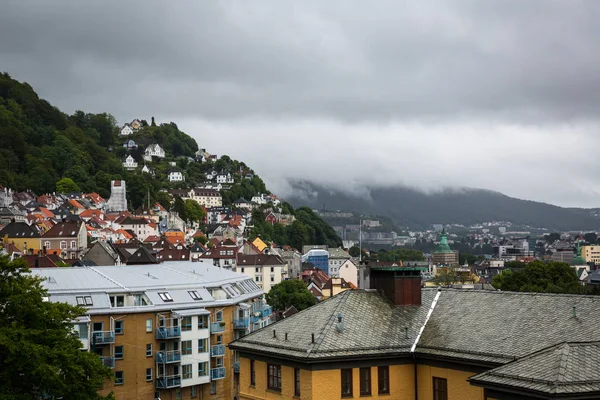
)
(458, 386)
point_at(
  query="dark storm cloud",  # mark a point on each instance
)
(497, 94)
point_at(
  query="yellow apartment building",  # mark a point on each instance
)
(399, 341)
(164, 328)
(22, 235)
(591, 253)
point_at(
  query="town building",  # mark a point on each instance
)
(336, 258)
(399, 341)
(443, 255)
(154, 150)
(68, 239)
(176, 176)
(118, 196)
(207, 197)
(266, 269)
(319, 258)
(23, 236)
(591, 253)
(163, 329)
(129, 163)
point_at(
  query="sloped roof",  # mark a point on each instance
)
(63, 230)
(372, 325)
(566, 368)
(19, 230)
(260, 245)
(259, 259)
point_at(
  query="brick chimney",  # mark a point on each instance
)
(401, 285)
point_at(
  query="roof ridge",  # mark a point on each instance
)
(562, 364)
(319, 339)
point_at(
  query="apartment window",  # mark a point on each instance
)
(272, 279)
(219, 362)
(84, 301)
(274, 377)
(187, 371)
(219, 339)
(202, 321)
(47, 245)
(165, 296)
(383, 377)
(186, 324)
(272, 269)
(194, 392)
(149, 325)
(186, 347)
(365, 381)
(202, 346)
(297, 382)
(119, 327)
(63, 244)
(347, 382)
(73, 245)
(203, 369)
(213, 387)
(148, 374)
(440, 389)
(149, 350)
(119, 352)
(252, 374)
(219, 316)
(119, 378)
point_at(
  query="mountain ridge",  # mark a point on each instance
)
(414, 208)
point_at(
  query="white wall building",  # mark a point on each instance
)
(266, 269)
(126, 130)
(154, 150)
(176, 176)
(130, 163)
(118, 196)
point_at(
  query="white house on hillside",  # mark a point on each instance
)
(154, 150)
(126, 130)
(176, 176)
(224, 177)
(130, 163)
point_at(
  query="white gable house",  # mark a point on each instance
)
(154, 150)
(130, 163)
(176, 176)
(224, 177)
(126, 130)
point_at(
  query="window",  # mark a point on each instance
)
(213, 387)
(194, 391)
(119, 327)
(63, 244)
(88, 300)
(149, 325)
(47, 245)
(148, 374)
(119, 378)
(164, 296)
(272, 269)
(219, 316)
(219, 362)
(202, 321)
(440, 389)
(202, 346)
(252, 374)
(203, 369)
(347, 382)
(149, 350)
(98, 327)
(383, 377)
(186, 347)
(365, 381)
(219, 339)
(272, 279)
(80, 301)
(73, 245)
(186, 324)
(187, 371)
(274, 377)
(119, 352)
(195, 295)
(297, 382)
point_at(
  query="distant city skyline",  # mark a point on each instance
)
(501, 96)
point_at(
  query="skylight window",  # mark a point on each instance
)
(88, 300)
(80, 301)
(84, 301)
(166, 297)
(195, 295)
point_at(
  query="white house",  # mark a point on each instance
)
(176, 176)
(224, 177)
(154, 150)
(211, 175)
(349, 271)
(130, 163)
(126, 130)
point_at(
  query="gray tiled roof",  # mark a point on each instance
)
(562, 369)
(372, 325)
(502, 326)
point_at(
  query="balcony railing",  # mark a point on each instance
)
(241, 323)
(172, 332)
(164, 357)
(236, 367)
(103, 337)
(217, 327)
(217, 373)
(217, 350)
(167, 382)
(108, 361)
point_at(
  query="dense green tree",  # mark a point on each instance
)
(66, 185)
(468, 257)
(401, 254)
(164, 199)
(40, 357)
(537, 276)
(179, 207)
(291, 292)
(193, 211)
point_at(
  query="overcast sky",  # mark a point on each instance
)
(502, 95)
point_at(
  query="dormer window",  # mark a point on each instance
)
(165, 296)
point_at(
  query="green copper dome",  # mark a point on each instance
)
(578, 260)
(443, 247)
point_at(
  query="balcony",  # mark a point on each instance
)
(108, 361)
(168, 382)
(217, 373)
(165, 357)
(217, 350)
(236, 367)
(103, 337)
(217, 327)
(172, 332)
(267, 311)
(241, 323)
